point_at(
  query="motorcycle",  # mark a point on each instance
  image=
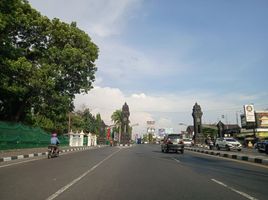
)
(53, 151)
(211, 145)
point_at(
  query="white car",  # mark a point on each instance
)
(228, 144)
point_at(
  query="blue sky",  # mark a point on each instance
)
(162, 56)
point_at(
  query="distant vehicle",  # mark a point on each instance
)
(172, 142)
(262, 146)
(188, 142)
(228, 144)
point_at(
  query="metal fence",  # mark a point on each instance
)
(19, 136)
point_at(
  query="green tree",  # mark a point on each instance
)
(44, 63)
(90, 122)
(145, 138)
(210, 132)
(117, 120)
(84, 120)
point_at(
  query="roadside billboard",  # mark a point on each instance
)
(243, 121)
(261, 119)
(249, 113)
(245, 124)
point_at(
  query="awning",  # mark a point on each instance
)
(262, 134)
(242, 135)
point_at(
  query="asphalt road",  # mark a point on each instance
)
(139, 172)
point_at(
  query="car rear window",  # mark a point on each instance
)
(174, 137)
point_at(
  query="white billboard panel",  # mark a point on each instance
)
(249, 113)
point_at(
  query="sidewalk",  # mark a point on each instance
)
(248, 155)
(13, 154)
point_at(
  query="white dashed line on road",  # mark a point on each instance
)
(60, 191)
(176, 160)
(234, 190)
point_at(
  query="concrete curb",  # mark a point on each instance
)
(232, 155)
(4, 159)
(125, 145)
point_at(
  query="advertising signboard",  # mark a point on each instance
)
(245, 124)
(249, 113)
(261, 119)
(243, 121)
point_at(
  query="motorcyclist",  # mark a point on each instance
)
(209, 142)
(55, 142)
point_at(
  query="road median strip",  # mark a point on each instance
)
(246, 158)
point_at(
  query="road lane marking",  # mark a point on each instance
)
(60, 191)
(176, 160)
(234, 190)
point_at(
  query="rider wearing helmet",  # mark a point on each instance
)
(55, 141)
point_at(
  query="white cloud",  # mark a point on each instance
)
(167, 110)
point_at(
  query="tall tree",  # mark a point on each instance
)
(89, 121)
(117, 118)
(44, 63)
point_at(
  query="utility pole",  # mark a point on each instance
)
(69, 123)
(119, 139)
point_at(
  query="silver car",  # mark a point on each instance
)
(173, 142)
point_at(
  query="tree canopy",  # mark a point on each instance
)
(44, 63)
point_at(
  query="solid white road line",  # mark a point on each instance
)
(60, 191)
(234, 190)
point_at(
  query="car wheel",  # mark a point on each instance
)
(167, 150)
(182, 151)
(227, 148)
(238, 149)
(162, 150)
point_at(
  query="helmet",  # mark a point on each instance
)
(54, 134)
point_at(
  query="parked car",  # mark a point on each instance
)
(262, 146)
(228, 144)
(188, 142)
(173, 142)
